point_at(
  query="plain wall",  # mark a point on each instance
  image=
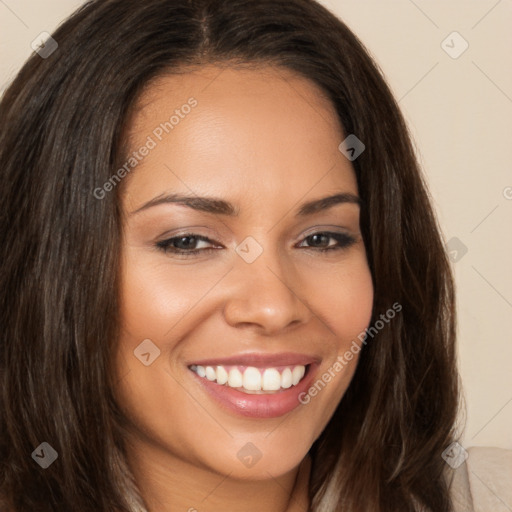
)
(460, 114)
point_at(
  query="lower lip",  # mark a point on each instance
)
(259, 406)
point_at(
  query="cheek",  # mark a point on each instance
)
(343, 299)
(156, 296)
(346, 304)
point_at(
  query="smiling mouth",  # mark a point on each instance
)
(253, 380)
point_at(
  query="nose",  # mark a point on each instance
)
(266, 295)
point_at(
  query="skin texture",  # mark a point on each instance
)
(267, 141)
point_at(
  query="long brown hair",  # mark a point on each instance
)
(63, 120)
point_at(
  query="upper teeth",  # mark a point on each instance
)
(251, 378)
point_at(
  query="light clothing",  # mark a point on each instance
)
(483, 483)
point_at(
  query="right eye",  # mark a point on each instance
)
(185, 245)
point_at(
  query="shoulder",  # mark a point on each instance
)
(483, 481)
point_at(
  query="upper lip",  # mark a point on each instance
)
(260, 360)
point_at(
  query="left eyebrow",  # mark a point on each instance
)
(325, 203)
(218, 206)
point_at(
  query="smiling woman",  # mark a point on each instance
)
(240, 335)
(240, 305)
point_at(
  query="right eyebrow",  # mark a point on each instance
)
(203, 204)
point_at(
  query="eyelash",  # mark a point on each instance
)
(344, 241)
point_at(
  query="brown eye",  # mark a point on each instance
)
(322, 241)
(186, 244)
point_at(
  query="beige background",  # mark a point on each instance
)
(460, 114)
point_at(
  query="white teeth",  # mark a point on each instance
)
(297, 374)
(235, 378)
(271, 380)
(252, 379)
(222, 375)
(210, 373)
(286, 378)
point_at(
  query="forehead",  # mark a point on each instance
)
(262, 127)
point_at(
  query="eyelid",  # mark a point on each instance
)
(190, 231)
(328, 228)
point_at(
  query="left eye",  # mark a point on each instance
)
(189, 244)
(322, 240)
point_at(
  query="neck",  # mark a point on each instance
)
(168, 484)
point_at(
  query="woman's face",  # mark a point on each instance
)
(225, 276)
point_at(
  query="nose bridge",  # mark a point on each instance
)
(264, 290)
